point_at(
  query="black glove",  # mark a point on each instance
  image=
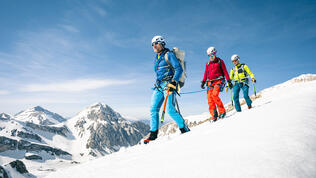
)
(202, 84)
(172, 86)
(230, 85)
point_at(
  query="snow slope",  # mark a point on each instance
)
(277, 138)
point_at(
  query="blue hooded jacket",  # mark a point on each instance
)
(162, 68)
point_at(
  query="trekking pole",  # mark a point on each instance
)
(254, 89)
(231, 96)
(178, 106)
(164, 107)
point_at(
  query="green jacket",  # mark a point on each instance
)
(240, 72)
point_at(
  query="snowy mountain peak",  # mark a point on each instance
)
(38, 108)
(4, 116)
(99, 104)
(100, 107)
(101, 112)
(100, 130)
(39, 115)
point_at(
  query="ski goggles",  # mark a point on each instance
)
(212, 54)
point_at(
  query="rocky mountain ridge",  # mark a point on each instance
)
(104, 130)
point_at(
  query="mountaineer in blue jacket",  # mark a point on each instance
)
(167, 78)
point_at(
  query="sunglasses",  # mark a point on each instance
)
(211, 55)
(154, 43)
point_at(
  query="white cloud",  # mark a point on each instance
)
(70, 28)
(74, 85)
(4, 92)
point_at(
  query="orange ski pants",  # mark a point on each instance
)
(213, 98)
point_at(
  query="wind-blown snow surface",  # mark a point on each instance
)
(277, 138)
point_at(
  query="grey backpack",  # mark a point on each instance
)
(180, 56)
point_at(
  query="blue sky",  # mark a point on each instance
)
(66, 55)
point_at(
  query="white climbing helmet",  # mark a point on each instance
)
(235, 57)
(158, 39)
(211, 50)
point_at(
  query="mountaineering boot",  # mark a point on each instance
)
(215, 113)
(152, 136)
(221, 116)
(213, 119)
(249, 107)
(184, 129)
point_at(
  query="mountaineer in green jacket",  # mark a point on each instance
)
(239, 74)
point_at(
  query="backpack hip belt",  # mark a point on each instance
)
(218, 78)
(222, 84)
(241, 79)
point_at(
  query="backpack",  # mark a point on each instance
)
(240, 70)
(220, 66)
(180, 56)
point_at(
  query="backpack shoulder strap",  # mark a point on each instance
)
(220, 65)
(243, 69)
(233, 69)
(208, 63)
(168, 62)
(167, 59)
